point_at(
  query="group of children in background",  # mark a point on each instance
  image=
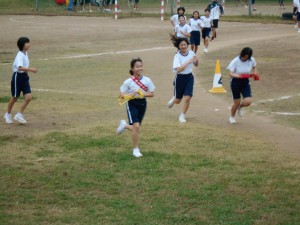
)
(207, 24)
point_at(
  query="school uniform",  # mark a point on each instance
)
(195, 25)
(241, 86)
(20, 79)
(206, 26)
(184, 81)
(215, 10)
(184, 28)
(136, 108)
(295, 9)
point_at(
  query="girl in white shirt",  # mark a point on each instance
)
(183, 63)
(242, 64)
(196, 25)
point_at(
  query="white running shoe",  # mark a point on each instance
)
(8, 118)
(298, 30)
(296, 26)
(232, 120)
(121, 127)
(19, 117)
(241, 112)
(205, 50)
(182, 118)
(171, 102)
(136, 152)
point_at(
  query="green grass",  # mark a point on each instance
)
(91, 178)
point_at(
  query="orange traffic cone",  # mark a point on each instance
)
(217, 83)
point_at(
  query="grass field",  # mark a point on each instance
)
(67, 166)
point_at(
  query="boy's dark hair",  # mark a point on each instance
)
(179, 16)
(180, 8)
(246, 51)
(21, 42)
(132, 63)
(207, 10)
(177, 40)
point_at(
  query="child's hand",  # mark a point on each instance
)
(33, 70)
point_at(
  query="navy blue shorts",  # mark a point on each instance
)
(298, 17)
(240, 86)
(183, 85)
(206, 32)
(136, 109)
(20, 83)
(216, 23)
(295, 11)
(195, 37)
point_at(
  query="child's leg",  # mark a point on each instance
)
(27, 99)
(196, 48)
(135, 133)
(186, 104)
(11, 104)
(235, 106)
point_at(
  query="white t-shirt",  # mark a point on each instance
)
(175, 20)
(180, 59)
(194, 24)
(295, 2)
(206, 21)
(185, 28)
(240, 67)
(129, 86)
(20, 60)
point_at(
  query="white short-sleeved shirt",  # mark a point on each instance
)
(240, 67)
(185, 28)
(194, 24)
(175, 20)
(206, 21)
(295, 2)
(180, 59)
(20, 60)
(129, 86)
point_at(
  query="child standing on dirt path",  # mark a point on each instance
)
(183, 63)
(207, 22)
(242, 64)
(136, 107)
(20, 81)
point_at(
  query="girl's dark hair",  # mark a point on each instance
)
(196, 12)
(179, 16)
(132, 63)
(180, 8)
(21, 42)
(246, 51)
(177, 40)
(208, 10)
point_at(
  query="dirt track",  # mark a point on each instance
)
(85, 33)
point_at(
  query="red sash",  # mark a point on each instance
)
(139, 83)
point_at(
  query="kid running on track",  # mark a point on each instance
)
(184, 80)
(136, 107)
(207, 22)
(196, 24)
(20, 81)
(242, 64)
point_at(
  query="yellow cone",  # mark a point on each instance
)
(217, 83)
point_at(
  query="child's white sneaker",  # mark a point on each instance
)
(136, 153)
(8, 118)
(121, 127)
(232, 120)
(241, 112)
(171, 102)
(19, 117)
(182, 118)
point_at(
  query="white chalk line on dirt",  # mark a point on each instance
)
(278, 99)
(108, 53)
(278, 113)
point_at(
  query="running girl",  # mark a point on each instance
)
(20, 81)
(182, 30)
(136, 108)
(207, 22)
(175, 18)
(184, 80)
(196, 25)
(242, 64)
